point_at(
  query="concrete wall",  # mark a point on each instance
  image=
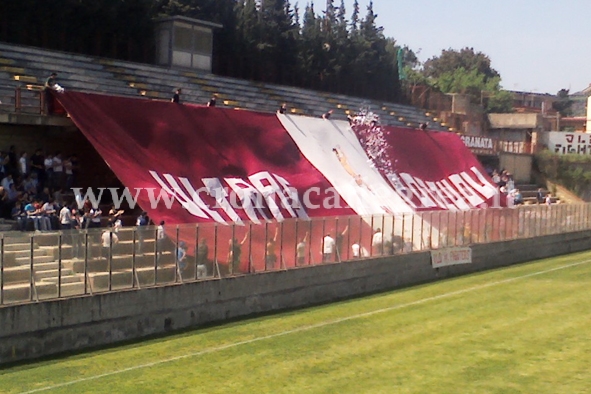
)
(34, 330)
(517, 164)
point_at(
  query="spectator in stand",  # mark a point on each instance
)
(234, 254)
(181, 256)
(109, 241)
(45, 196)
(95, 216)
(75, 169)
(510, 199)
(328, 245)
(202, 258)
(282, 109)
(339, 242)
(3, 165)
(549, 199)
(212, 101)
(510, 182)
(355, 250)
(327, 115)
(12, 162)
(77, 236)
(518, 197)
(23, 165)
(50, 211)
(69, 175)
(377, 243)
(301, 250)
(176, 98)
(12, 193)
(540, 198)
(58, 171)
(38, 167)
(44, 220)
(270, 254)
(50, 83)
(65, 218)
(423, 126)
(33, 212)
(7, 181)
(114, 216)
(160, 241)
(19, 215)
(58, 197)
(141, 224)
(48, 164)
(5, 206)
(30, 186)
(496, 178)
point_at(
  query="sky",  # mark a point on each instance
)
(538, 46)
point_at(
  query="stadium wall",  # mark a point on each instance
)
(47, 328)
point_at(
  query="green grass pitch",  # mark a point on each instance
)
(523, 329)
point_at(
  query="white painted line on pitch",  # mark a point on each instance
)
(301, 329)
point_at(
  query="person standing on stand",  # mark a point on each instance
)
(176, 98)
(301, 251)
(234, 254)
(328, 246)
(160, 239)
(50, 83)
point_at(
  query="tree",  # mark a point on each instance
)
(563, 104)
(466, 58)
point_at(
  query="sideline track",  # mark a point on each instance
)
(309, 327)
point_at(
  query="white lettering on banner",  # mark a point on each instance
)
(254, 199)
(250, 198)
(417, 190)
(216, 189)
(467, 191)
(484, 188)
(271, 190)
(453, 195)
(290, 199)
(451, 256)
(440, 197)
(194, 205)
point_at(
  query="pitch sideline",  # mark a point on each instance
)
(305, 328)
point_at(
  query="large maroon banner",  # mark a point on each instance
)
(429, 170)
(188, 163)
(221, 165)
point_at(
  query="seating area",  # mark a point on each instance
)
(58, 272)
(28, 67)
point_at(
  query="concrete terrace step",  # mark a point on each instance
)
(92, 74)
(100, 281)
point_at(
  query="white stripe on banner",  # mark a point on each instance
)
(451, 256)
(333, 148)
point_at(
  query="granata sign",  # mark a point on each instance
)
(479, 145)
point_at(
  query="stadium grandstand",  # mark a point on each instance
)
(229, 192)
(24, 70)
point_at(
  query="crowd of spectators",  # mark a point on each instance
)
(506, 184)
(33, 187)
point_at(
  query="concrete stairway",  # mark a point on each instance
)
(530, 191)
(36, 268)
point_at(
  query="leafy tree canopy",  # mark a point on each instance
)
(564, 103)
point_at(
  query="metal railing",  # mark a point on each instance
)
(40, 266)
(29, 99)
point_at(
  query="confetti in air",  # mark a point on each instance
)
(371, 135)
